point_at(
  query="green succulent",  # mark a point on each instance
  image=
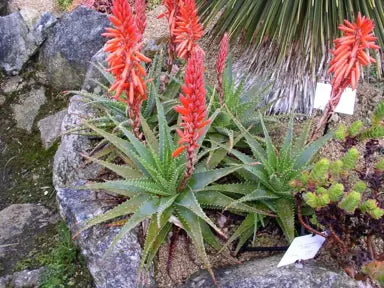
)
(360, 186)
(370, 207)
(241, 102)
(341, 132)
(318, 173)
(335, 192)
(151, 181)
(378, 115)
(336, 167)
(380, 165)
(355, 128)
(350, 159)
(273, 170)
(350, 201)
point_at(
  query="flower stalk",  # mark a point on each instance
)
(348, 58)
(188, 29)
(220, 66)
(193, 112)
(171, 13)
(125, 60)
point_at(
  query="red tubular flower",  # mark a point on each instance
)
(141, 18)
(124, 60)
(193, 109)
(188, 29)
(221, 61)
(348, 57)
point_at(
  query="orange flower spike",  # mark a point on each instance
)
(188, 30)
(348, 57)
(349, 54)
(141, 18)
(193, 110)
(125, 57)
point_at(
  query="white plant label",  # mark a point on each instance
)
(302, 248)
(347, 100)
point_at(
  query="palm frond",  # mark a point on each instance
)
(290, 39)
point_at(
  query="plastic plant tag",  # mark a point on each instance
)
(347, 100)
(302, 248)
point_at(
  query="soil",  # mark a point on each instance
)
(186, 262)
(26, 173)
(39, 5)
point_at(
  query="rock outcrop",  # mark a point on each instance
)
(50, 128)
(26, 112)
(20, 225)
(120, 268)
(72, 42)
(18, 44)
(263, 273)
(23, 279)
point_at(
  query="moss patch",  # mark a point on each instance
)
(63, 260)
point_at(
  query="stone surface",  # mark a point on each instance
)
(30, 17)
(50, 128)
(20, 224)
(93, 75)
(72, 42)
(263, 273)
(2, 99)
(42, 26)
(156, 33)
(22, 279)
(16, 44)
(68, 163)
(118, 269)
(12, 84)
(26, 112)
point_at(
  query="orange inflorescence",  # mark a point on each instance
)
(349, 54)
(141, 18)
(193, 110)
(221, 61)
(125, 60)
(188, 30)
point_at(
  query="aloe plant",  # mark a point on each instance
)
(150, 185)
(272, 169)
(241, 103)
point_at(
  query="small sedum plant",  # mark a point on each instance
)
(346, 196)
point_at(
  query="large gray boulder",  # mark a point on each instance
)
(73, 41)
(23, 279)
(17, 44)
(20, 225)
(21, 35)
(120, 268)
(263, 273)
